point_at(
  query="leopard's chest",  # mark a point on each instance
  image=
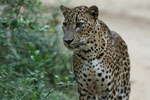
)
(92, 75)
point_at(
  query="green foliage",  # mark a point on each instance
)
(32, 64)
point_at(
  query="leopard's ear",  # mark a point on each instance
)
(93, 11)
(64, 9)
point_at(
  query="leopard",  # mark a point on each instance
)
(101, 62)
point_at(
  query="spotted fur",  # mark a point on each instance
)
(100, 56)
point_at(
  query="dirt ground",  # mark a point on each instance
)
(136, 32)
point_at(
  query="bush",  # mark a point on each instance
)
(32, 65)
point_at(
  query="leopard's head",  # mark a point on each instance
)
(79, 26)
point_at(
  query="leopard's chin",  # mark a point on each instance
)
(70, 47)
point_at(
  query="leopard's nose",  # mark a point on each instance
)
(68, 41)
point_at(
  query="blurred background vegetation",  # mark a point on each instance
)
(33, 65)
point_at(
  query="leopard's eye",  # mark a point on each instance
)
(79, 24)
(64, 24)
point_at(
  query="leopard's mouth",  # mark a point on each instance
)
(78, 45)
(74, 46)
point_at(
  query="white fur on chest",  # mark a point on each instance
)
(92, 65)
(96, 70)
(93, 72)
